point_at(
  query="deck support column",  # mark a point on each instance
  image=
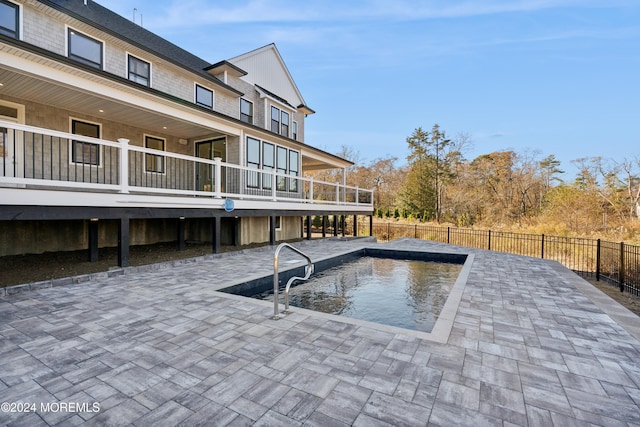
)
(335, 225)
(355, 226)
(324, 226)
(370, 225)
(272, 230)
(215, 235)
(236, 231)
(93, 240)
(123, 242)
(181, 244)
(308, 227)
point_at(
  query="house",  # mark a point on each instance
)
(111, 135)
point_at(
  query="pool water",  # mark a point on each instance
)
(406, 294)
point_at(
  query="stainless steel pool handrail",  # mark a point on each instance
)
(276, 282)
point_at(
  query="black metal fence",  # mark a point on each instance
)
(615, 262)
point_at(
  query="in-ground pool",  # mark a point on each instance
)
(394, 288)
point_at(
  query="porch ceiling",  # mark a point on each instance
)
(33, 88)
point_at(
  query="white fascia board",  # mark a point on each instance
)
(121, 94)
(32, 197)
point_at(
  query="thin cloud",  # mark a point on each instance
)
(181, 13)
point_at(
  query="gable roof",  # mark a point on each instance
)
(268, 72)
(110, 22)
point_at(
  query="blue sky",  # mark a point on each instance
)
(560, 77)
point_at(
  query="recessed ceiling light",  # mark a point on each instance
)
(164, 127)
(101, 111)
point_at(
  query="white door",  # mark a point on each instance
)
(10, 140)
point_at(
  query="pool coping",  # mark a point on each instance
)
(441, 329)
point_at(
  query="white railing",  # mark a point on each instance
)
(31, 156)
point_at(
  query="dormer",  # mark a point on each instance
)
(225, 69)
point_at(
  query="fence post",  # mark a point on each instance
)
(598, 260)
(448, 234)
(542, 247)
(388, 232)
(621, 267)
(489, 240)
(415, 231)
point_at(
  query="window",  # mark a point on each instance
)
(246, 111)
(294, 131)
(268, 164)
(285, 124)
(265, 157)
(139, 71)
(9, 19)
(282, 168)
(204, 97)
(153, 162)
(85, 152)
(84, 49)
(278, 223)
(275, 120)
(253, 161)
(293, 170)
(279, 121)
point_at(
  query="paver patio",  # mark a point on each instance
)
(531, 344)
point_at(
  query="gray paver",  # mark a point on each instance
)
(530, 343)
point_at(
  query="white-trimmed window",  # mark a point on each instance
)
(85, 152)
(266, 156)
(284, 126)
(84, 49)
(275, 119)
(9, 19)
(268, 164)
(294, 130)
(204, 97)
(139, 71)
(279, 121)
(253, 162)
(246, 111)
(281, 163)
(153, 162)
(294, 172)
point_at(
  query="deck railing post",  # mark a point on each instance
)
(598, 260)
(217, 177)
(337, 194)
(274, 178)
(622, 267)
(124, 165)
(310, 190)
